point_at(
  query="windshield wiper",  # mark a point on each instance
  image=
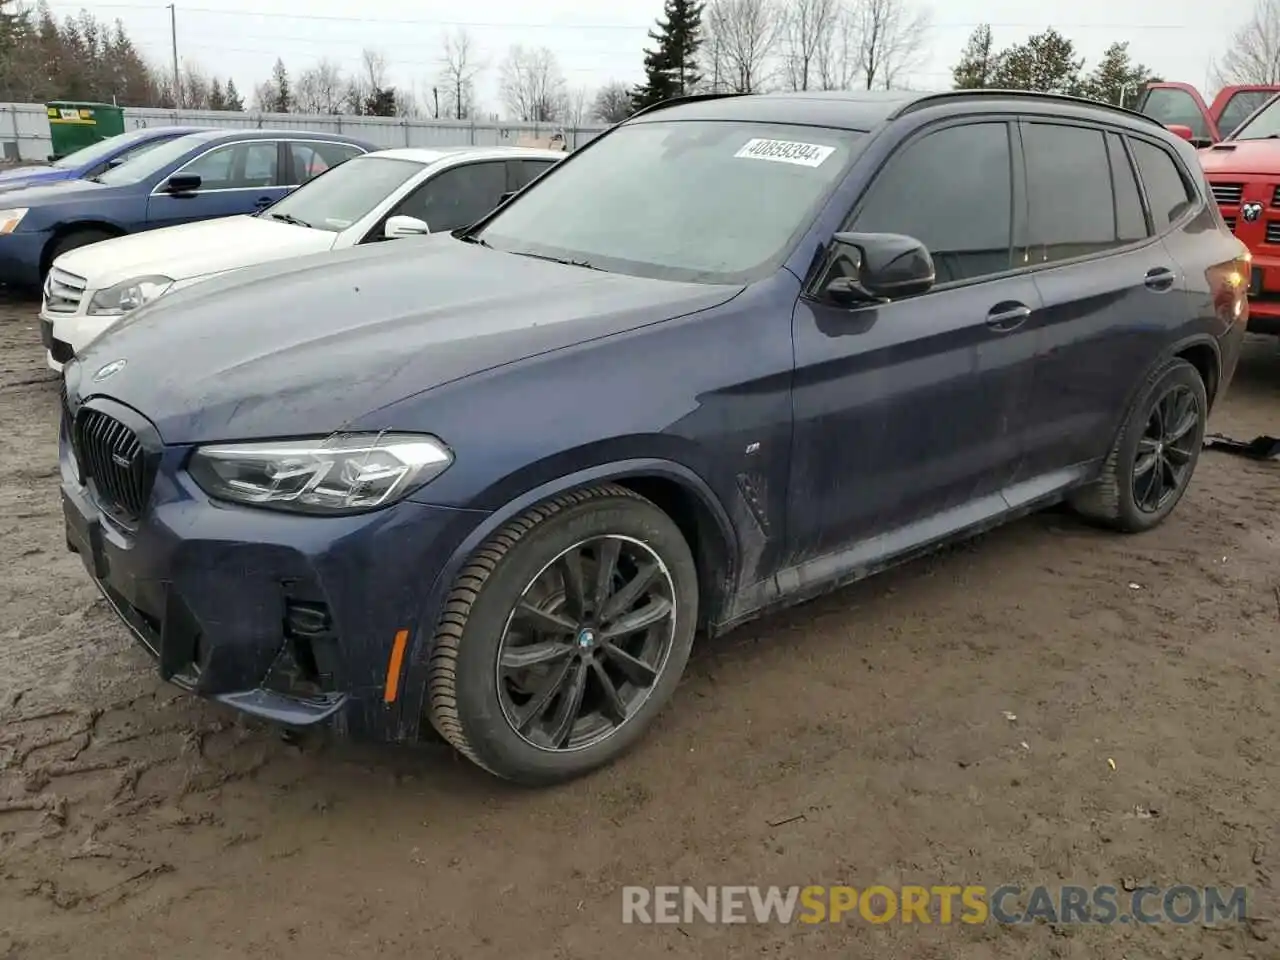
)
(568, 263)
(288, 218)
(472, 238)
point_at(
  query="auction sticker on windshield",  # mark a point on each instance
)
(786, 151)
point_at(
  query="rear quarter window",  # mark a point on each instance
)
(1168, 194)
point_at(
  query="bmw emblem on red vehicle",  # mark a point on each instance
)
(1251, 212)
(110, 370)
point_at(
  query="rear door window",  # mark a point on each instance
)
(1069, 190)
(953, 191)
(1131, 221)
(312, 158)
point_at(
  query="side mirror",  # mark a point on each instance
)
(404, 227)
(876, 268)
(114, 162)
(181, 183)
(1180, 130)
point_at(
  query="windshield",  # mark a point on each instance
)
(150, 162)
(344, 194)
(97, 152)
(709, 201)
(1263, 125)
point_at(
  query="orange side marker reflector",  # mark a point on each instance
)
(392, 689)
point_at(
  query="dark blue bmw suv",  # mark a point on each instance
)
(735, 352)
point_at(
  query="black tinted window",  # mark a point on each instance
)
(457, 197)
(1170, 105)
(529, 170)
(952, 191)
(1073, 211)
(1167, 193)
(1131, 222)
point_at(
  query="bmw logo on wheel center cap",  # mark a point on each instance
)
(586, 638)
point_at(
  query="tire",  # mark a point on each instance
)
(1121, 498)
(72, 241)
(488, 709)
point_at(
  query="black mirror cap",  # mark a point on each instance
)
(877, 268)
(183, 183)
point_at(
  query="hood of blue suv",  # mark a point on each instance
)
(306, 346)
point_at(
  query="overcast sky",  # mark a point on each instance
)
(597, 42)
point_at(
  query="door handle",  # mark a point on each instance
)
(1159, 279)
(1008, 316)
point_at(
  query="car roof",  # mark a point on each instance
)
(211, 134)
(429, 155)
(867, 110)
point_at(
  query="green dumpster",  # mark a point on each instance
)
(74, 124)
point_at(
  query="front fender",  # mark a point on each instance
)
(419, 654)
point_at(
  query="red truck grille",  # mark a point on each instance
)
(1227, 194)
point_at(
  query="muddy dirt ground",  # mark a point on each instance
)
(136, 823)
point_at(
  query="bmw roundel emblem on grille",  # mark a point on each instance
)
(110, 370)
(1251, 212)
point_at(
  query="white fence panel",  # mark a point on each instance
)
(24, 128)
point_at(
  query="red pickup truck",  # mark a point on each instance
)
(1180, 105)
(1243, 171)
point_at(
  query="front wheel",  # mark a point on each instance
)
(1153, 458)
(564, 636)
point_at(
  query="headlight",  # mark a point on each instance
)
(129, 295)
(9, 219)
(348, 473)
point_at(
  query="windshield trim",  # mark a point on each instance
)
(858, 139)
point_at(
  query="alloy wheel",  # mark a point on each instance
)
(586, 643)
(1162, 464)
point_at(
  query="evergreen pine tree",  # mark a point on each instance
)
(978, 61)
(234, 100)
(671, 69)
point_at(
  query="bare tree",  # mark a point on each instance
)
(531, 84)
(1254, 54)
(613, 103)
(195, 87)
(321, 89)
(742, 36)
(892, 36)
(809, 29)
(373, 65)
(578, 106)
(839, 56)
(461, 67)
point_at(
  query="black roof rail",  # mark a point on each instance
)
(931, 98)
(677, 101)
